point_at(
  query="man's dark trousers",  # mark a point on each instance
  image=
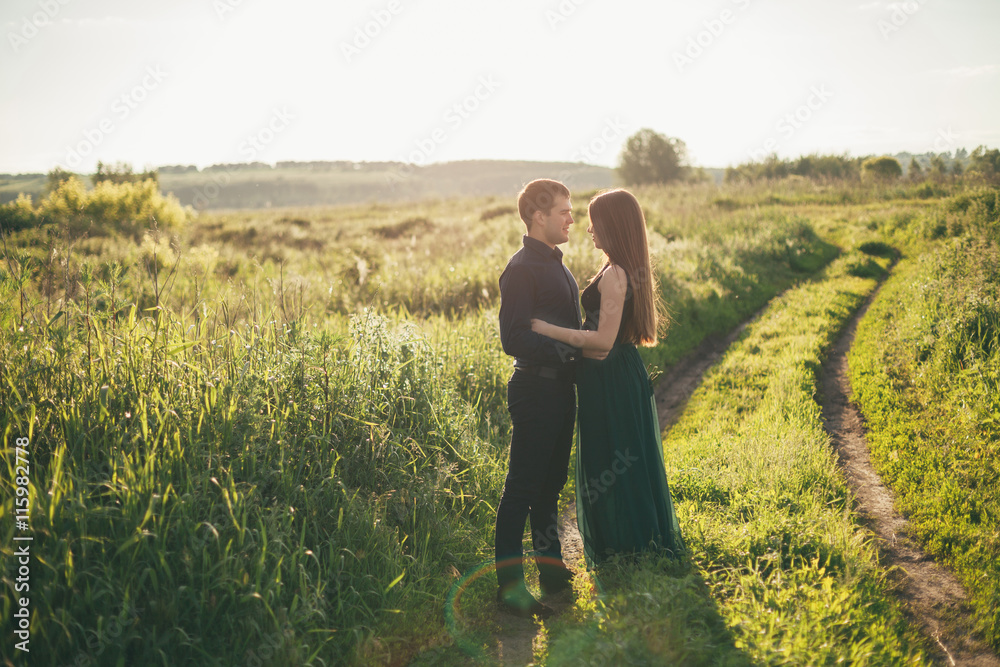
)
(543, 412)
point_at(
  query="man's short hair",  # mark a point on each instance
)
(539, 195)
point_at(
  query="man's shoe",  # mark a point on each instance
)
(556, 581)
(519, 602)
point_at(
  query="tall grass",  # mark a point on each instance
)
(716, 267)
(259, 447)
(261, 490)
(779, 572)
(926, 372)
(276, 437)
(715, 276)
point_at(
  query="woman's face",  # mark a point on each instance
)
(593, 235)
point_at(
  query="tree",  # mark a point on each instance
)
(121, 172)
(914, 172)
(883, 168)
(938, 168)
(650, 157)
(985, 162)
(56, 178)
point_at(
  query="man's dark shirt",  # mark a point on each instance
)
(535, 283)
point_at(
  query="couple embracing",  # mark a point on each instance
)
(561, 354)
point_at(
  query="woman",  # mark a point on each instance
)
(623, 503)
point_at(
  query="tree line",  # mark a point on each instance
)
(649, 157)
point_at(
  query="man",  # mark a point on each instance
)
(541, 397)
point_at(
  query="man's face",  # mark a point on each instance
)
(553, 229)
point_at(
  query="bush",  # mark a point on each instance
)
(121, 172)
(408, 226)
(877, 249)
(124, 208)
(985, 162)
(17, 214)
(814, 167)
(496, 212)
(984, 201)
(976, 209)
(883, 168)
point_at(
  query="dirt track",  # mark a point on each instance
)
(675, 387)
(514, 641)
(932, 596)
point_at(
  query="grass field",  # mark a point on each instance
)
(926, 371)
(278, 436)
(778, 569)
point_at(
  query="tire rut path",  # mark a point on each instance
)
(514, 642)
(932, 596)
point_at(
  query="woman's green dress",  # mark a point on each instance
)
(623, 503)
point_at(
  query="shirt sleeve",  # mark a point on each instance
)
(517, 300)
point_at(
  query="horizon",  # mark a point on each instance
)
(226, 82)
(951, 155)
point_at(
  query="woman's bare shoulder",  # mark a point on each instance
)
(614, 277)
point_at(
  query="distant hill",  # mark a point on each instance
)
(259, 185)
(299, 184)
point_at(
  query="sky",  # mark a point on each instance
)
(215, 81)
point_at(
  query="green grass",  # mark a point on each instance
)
(245, 433)
(780, 573)
(271, 482)
(925, 370)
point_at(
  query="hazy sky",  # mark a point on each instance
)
(206, 81)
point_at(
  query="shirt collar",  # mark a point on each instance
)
(539, 247)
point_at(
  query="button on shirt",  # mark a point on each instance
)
(536, 284)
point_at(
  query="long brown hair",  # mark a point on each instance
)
(621, 230)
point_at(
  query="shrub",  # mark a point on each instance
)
(985, 162)
(976, 209)
(124, 208)
(883, 168)
(17, 214)
(121, 172)
(496, 212)
(983, 201)
(408, 226)
(877, 249)
(814, 167)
